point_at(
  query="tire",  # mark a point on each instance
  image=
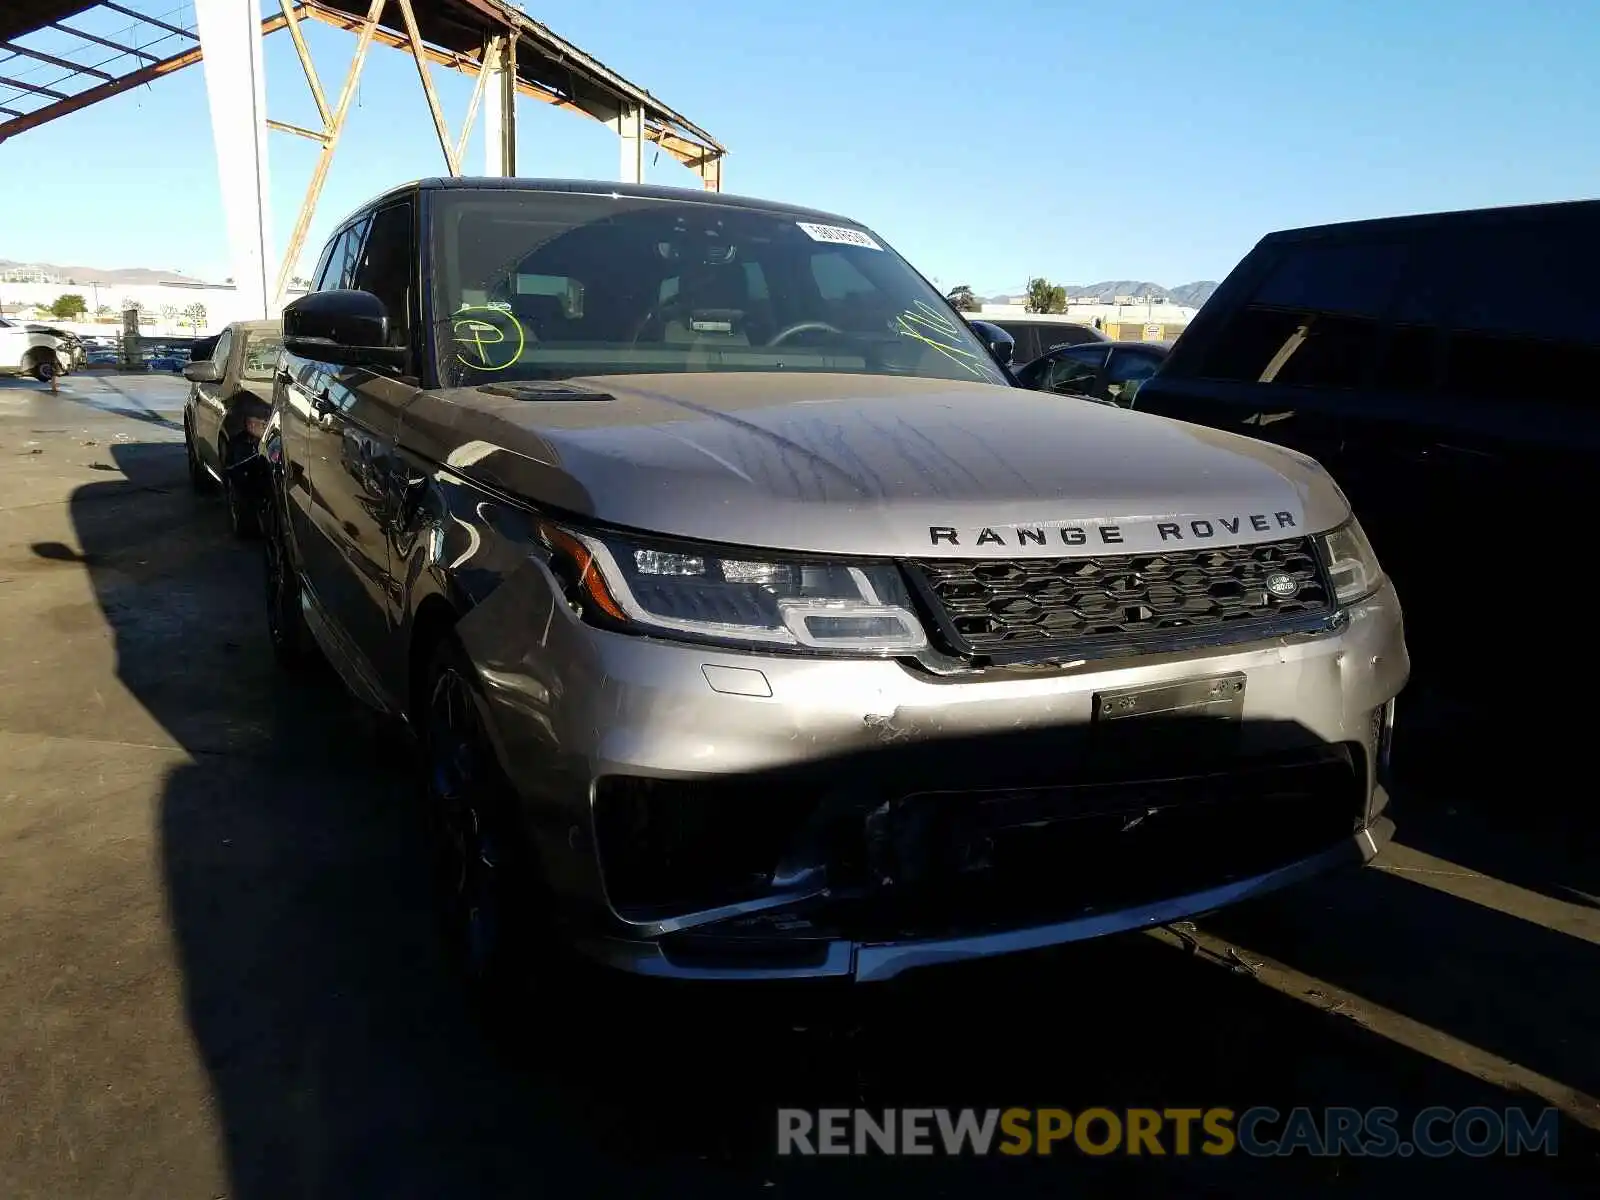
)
(493, 913)
(45, 367)
(199, 481)
(292, 644)
(243, 519)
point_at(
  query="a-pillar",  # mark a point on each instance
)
(230, 43)
(500, 117)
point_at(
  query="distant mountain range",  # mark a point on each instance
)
(99, 274)
(1192, 295)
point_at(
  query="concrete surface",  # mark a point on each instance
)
(218, 975)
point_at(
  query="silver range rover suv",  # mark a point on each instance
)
(753, 624)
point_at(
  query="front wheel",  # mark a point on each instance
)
(44, 368)
(243, 518)
(199, 481)
(495, 914)
(286, 619)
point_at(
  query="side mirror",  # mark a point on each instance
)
(204, 371)
(343, 326)
(1001, 344)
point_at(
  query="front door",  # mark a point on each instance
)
(210, 403)
(350, 449)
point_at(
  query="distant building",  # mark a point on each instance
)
(1144, 321)
(24, 273)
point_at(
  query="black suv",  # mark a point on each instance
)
(1036, 337)
(1443, 368)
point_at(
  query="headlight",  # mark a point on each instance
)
(739, 598)
(1352, 566)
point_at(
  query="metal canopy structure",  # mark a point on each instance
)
(60, 56)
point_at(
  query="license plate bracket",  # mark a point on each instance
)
(1166, 726)
(1219, 697)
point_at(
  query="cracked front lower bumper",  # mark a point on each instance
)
(575, 711)
(868, 962)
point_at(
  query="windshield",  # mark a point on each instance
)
(546, 285)
(261, 358)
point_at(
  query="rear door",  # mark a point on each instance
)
(1288, 358)
(1489, 374)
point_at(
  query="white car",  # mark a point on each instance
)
(24, 351)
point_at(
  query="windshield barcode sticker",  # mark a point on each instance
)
(838, 235)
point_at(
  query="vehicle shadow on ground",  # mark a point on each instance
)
(344, 1061)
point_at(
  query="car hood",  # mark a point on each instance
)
(873, 465)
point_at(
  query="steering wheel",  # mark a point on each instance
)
(785, 334)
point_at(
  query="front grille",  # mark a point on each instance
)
(993, 606)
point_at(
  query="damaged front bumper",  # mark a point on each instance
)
(701, 813)
(785, 943)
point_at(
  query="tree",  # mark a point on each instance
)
(169, 313)
(962, 300)
(1046, 297)
(68, 306)
(300, 281)
(103, 313)
(128, 303)
(195, 315)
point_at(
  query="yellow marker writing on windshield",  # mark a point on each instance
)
(483, 345)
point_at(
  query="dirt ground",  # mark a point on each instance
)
(219, 977)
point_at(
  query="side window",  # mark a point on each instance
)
(1314, 321)
(322, 265)
(1129, 369)
(343, 268)
(386, 267)
(260, 357)
(1521, 313)
(224, 348)
(1130, 365)
(1074, 372)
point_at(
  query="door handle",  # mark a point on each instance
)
(321, 402)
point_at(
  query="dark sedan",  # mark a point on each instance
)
(1110, 372)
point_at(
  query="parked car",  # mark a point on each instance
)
(1111, 372)
(71, 350)
(230, 398)
(166, 358)
(25, 351)
(1040, 335)
(753, 624)
(1442, 367)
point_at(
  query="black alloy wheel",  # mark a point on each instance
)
(199, 481)
(286, 620)
(243, 518)
(494, 911)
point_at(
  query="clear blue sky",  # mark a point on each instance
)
(986, 142)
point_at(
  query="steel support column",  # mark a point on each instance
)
(319, 174)
(630, 129)
(500, 117)
(230, 41)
